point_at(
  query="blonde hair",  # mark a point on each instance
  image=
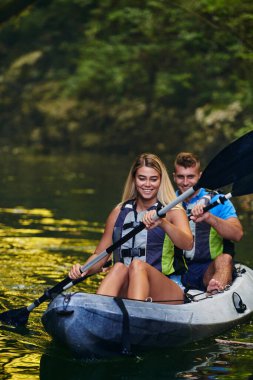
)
(166, 193)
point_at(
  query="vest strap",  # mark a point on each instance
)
(132, 252)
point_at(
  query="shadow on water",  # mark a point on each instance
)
(158, 364)
(205, 360)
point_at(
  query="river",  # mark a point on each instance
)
(52, 211)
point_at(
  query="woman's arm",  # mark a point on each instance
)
(105, 242)
(175, 225)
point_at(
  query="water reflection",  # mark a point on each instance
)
(230, 363)
(37, 251)
(158, 364)
(41, 222)
(20, 349)
(198, 361)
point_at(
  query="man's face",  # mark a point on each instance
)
(185, 178)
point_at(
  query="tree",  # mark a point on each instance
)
(134, 74)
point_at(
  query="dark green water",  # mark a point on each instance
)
(52, 213)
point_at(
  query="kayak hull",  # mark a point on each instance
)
(92, 325)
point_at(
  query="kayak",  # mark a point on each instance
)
(95, 326)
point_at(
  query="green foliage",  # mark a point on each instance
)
(129, 75)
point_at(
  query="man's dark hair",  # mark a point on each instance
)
(187, 160)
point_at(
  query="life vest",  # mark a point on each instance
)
(152, 246)
(208, 244)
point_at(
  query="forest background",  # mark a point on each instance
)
(111, 76)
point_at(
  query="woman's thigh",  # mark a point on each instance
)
(161, 288)
(116, 281)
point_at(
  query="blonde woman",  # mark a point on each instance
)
(144, 265)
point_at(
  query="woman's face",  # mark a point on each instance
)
(147, 182)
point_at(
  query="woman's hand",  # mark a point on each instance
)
(149, 221)
(75, 272)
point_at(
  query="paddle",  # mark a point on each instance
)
(230, 164)
(242, 186)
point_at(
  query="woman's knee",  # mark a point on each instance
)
(136, 266)
(119, 269)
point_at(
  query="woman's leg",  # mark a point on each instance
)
(116, 282)
(146, 281)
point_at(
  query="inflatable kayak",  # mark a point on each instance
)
(92, 325)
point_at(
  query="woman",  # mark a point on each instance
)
(143, 265)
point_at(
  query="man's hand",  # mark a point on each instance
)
(198, 214)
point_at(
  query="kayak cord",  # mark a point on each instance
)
(67, 310)
(188, 297)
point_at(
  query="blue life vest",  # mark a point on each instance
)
(208, 244)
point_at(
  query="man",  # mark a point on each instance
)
(210, 262)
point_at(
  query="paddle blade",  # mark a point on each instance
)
(243, 186)
(230, 164)
(15, 317)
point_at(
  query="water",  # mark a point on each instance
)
(52, 214)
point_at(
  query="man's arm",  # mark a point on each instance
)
(230, 228)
